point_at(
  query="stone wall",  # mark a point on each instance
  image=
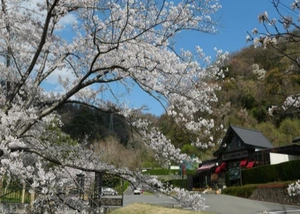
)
(275, 195)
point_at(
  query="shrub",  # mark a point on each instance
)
(240, 191)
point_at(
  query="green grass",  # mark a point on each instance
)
(151, 209)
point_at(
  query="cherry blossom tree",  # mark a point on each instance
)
(54, 52)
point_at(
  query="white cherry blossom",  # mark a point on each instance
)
(80, 47)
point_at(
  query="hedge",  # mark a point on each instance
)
(240, 191)
(272, 173)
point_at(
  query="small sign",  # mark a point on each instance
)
(234, 173)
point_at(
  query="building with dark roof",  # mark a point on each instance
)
(243, 148)
(241, 142)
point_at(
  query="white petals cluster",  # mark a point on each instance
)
(160, 144)
(291, 101)
(259, 72)
(287, 21)
(272, 109)
(294, 188)
(264, 41)
(255, 31)
(272, 32)
(295, 5)
(189, 199)
(263, 17)
(43, 180)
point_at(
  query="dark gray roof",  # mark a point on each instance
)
(296, 140)
(252, 137)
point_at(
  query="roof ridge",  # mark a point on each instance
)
(250, 129)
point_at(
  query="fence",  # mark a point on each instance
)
(14, 192)
(16, 197)
(86, 188)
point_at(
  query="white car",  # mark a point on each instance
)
(137, 191)
(109, 191)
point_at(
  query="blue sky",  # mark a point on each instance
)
(235, 18)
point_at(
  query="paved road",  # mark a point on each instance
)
(224, 204)
(220, 204)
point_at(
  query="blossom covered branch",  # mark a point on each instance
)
(55, 52)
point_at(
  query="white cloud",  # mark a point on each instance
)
(52, 83)
(63, 73)
(69, 19)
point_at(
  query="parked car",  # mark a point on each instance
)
(137, 191)
(109, 191)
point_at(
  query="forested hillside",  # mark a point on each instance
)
(108, 134)
(82, 121)
(257, 80)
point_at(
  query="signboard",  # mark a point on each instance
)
(234, 155)
(234, 173)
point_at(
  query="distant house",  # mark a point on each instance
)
(241, 143)
(238, 149)
(242, 148)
